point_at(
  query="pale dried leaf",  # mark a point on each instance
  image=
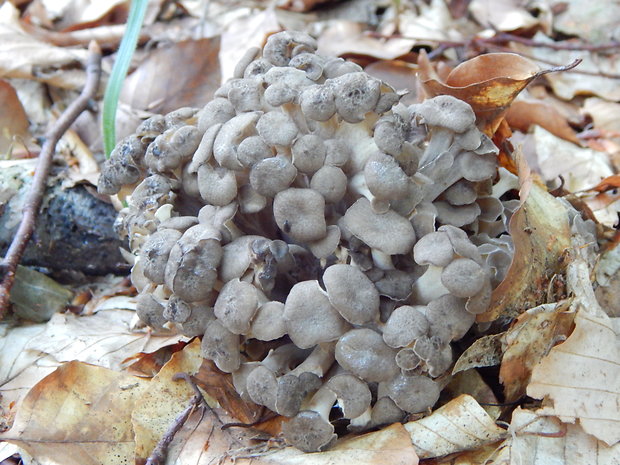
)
(13, 119)
(461, 424)
(539, 440)
(22, 56)
(593, 22)
(164, 400)
(528, 340)
(80, 414)
(29, 353)
(391, 445)
(72, 13)
(570, 84)
(348, 37)
(581, 377)
(541, 234)
(605, 115)
(250, 30)
(504, 15)
(486, 351)
(580, 167)
(183, 74)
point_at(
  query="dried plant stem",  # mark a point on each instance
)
(158, 456)
(44, 163)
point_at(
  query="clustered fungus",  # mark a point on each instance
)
(328, 242)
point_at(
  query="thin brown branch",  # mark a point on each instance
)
(44, 163)
(505, 37)
(158, 456)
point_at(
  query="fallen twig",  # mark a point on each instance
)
(158, 456)
(35, 195)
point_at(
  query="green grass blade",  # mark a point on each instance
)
(119, 71)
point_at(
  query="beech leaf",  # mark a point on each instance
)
(443, 432)
(489, 83)
(541, 235)
(80, 414)
(581, 376)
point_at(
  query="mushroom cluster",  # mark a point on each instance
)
(327, 242)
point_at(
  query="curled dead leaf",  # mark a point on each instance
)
(443, 433)
(165, 399)
(484, 352)
(489, 83)
(80, 414)
(528, 340)
(540, 440)
(541, 235)
(581, 376)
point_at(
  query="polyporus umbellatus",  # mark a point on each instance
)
(305, 206)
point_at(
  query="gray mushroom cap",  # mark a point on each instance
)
(268, 323)
(363, 352)
(236, 305)
(272, 175)
(309, 316)
(447, 112)
(155, 252)
(464, 277)
(413, 394)
(330, 182)
(221, 346)
(309, 431)
(385, 178)
(356, 94)
(300, 213)
(448, 319)
(385, 412)
(191, 270)
(388, 232)
(405, 325)
(352, 293)
(352, 393)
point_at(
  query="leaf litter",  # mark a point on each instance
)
(556, 343)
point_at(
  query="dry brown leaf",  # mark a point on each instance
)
(74, 14)
(581, 377)
(540, 440)
(182, 74)
(570, 84)
(592, 22)
(522, 114)
(219, 386)
(605, 115)
(348, 38)
(484, 352)
(471, 382)
(489, 83)
(541, 235)
(580, 167)
(507, 15)
(79, 414)
(22, 56)
(398, 74)
(245, 32)
(29, 353)
(13, 120)
(608, 281)
(528, 340)
(461, 424)
(165, 398)
(202, 441)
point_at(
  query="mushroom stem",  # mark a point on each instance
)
(318, 362)
(440, 141)
(382, 260)
(428, 286)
